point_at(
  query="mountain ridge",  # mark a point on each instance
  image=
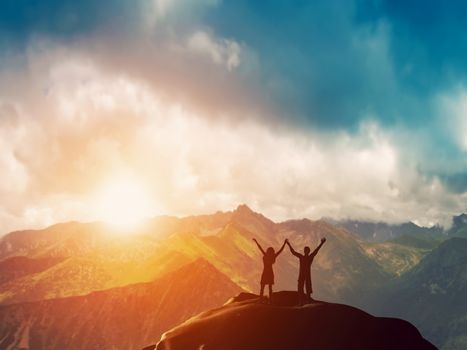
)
(127, 317)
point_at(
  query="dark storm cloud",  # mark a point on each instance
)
(336, 62)
(64, 18)
(428, 40)
(457, 183)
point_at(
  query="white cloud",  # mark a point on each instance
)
(453, 115)
(172, 109)
(221, 51)
(92, 124)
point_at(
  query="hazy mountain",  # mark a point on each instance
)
(459, 226)
(381, 231)
(433, 295)
(245, 324)
(396, 248)
(19, 266)
(393, 257)
(340, 271)
(128, 317)
(94, 258)
(74, 259)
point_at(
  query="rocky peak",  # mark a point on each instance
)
(244, 323)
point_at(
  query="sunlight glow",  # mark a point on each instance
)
(124, 203)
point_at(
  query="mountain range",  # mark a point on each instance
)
(71, 263)
(127, 317)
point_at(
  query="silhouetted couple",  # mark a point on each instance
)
(304, 286)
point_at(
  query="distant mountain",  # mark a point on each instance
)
(459, 226)
(85, 257)
(433, 296)
(19, 266)
(381, 231)
(395, 257)
(128, 317)
(342, 269)
(245, 324)
(93, 258)
(75, 259)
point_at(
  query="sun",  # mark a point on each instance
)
(123, 202)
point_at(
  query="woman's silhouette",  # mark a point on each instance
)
(269, 258)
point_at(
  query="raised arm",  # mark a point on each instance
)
(260, 248)
(291, 249)
(280, 250)
(319, 247)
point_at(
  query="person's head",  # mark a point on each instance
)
(270, 251)
(307, 250)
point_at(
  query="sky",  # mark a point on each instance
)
(342, 109)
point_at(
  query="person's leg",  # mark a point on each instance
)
(270, 293)
(308, 288)
(261, 293)
(300, 291)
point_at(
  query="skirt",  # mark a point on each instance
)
(267, 277)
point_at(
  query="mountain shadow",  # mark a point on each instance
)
(432, 296)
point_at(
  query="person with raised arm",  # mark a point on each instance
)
(269, 258)
(305, 287)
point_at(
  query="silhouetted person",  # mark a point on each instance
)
(304, 277)
(269, 258)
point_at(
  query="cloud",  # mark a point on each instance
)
(210, 105)
(224, 51)
(90, 125)
(166, 8)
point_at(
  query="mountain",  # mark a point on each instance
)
(433, 295)
(92, 257)
(127, 317)
(396, 248)
(342, 270)
(75, 259)
(395, 257)
(19, 266)
(381, 231)
(88, 256)
(246, 324)
(459, 226)
(399, 255)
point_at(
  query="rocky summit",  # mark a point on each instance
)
(247, 322)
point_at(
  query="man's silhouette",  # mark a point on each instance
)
(304, 277)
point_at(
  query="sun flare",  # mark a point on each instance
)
(124, 203)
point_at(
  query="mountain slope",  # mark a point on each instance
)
(433, 295)
(393, 257)
(96, 259)
(20, 266)
(459, 226)
(381, 231)
(247, 324)
(342, 270)
(121, 318)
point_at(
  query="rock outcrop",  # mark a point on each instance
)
(247, 323)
